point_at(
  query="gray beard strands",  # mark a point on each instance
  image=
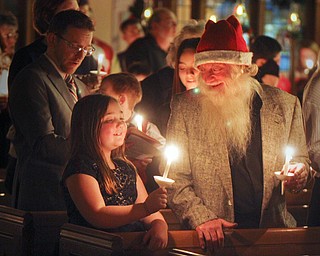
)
(228, 114)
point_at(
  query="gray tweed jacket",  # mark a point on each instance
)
(203, 187)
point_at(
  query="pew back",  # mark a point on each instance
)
(47, 227)
(81, 241)
(15, 232)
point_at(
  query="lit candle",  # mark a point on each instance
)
(138, 119)
(171, 153)
(289, 152)
(309, 63)
(100, 60)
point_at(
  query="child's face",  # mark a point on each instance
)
(106, 88)
(188, 74)
(113, 129)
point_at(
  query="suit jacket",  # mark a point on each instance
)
(203, 185)
(41, 106)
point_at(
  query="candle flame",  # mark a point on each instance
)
(100, 58)
(309, 63)
(289, 152)
(171, 152)
(138, 119)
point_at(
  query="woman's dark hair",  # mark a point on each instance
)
(265, 47)
(190, 43)
(43, 12)
(85, 130)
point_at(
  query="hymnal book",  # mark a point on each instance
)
(140, 146)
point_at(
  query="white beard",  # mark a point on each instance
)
(228, 112)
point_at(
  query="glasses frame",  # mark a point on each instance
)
(10, 35)
(77, 49)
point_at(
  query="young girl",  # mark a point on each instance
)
(185, 74)
(101, 187)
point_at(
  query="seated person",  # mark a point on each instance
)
(127, 90)
(101, 187)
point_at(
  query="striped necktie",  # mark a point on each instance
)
(72, 87)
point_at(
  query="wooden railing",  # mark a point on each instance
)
(80, 241)
(40, 233)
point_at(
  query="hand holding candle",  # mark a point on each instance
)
(284, 175)
(171, 153)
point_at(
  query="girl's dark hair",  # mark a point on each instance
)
(85, 129)
(190, 43)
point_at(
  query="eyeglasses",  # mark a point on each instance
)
(87, 50)
(13, 35)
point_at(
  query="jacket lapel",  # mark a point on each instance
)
(272, 129)
(57, 81)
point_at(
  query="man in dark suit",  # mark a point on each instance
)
(41, 103)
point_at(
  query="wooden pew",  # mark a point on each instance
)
(298, 204)
(246, 242)
(15, 232)
(47, 225)
(30, 233)
(171, 219)
(81, 241)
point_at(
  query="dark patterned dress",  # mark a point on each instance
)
(126, 187)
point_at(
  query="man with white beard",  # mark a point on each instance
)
(231, 138)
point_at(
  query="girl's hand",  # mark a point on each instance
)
(157, 236)
(156, 200)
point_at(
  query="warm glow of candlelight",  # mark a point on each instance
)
(309, 63)
(171, 153)
(100, 60)
(138, 119)
(289, 153)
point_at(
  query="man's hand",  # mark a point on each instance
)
(298, 181)
(211, 235)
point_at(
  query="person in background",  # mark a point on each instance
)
(307, 55)
(311, 114)
(266, 55)
(8, 37)
(8, 40)
(153, 48)
(125, 88)
(231, 137)
(185, 76)
(41, 100)
(43, 12)
(100, 46)
(185, 73)
(102, 189)
(157, 88)
(139, 70)
(131, 29)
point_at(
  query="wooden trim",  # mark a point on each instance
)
(273, 241)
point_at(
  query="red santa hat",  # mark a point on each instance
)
(223, 42)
